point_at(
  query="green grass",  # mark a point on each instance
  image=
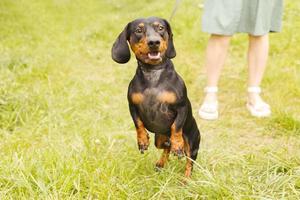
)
(65, 128)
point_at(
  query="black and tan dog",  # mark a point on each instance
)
(157, 95)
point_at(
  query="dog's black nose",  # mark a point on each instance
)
(153, 43)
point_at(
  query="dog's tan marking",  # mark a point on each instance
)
(156, 23)
(189, 163)
(177, 142)
(142, 135)
(137, 98)
(140, 48)
(163, 46)
(160, 143)
(167, 97)
(163, 159)
(161, 140)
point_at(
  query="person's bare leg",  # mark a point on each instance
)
(216, 53)
(257, 60)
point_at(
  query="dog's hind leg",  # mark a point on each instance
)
(162, 142)
(191, 147)
(189, 162)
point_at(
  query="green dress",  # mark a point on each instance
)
(256, 17)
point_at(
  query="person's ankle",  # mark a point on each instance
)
(211, 97)
(211, 94)
(209, 107)
(254, 97)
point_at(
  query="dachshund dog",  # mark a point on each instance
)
(157, 95)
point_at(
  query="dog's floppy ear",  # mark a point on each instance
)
(170, 53)
(120, 51)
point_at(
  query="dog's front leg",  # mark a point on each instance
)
(177, 142)
(142, 135)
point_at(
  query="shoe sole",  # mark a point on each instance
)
(254, 113)
(208, 116)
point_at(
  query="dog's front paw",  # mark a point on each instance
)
(178, 152)
(159, 165)
(143, 143)
(143, 147)
(177, 148)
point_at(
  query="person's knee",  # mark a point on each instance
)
(258, 37)
(221, 40)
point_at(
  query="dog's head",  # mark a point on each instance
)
(150, 39)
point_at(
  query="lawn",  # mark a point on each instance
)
(65, 127)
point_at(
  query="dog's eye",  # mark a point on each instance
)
(139, 30)
(161, 28)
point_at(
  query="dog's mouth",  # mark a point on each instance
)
(154, 55)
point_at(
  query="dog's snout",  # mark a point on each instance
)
(153, 43)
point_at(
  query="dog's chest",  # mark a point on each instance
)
(156, 110)
(153, 101)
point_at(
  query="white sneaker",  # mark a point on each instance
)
(260, 109)
(209, 110)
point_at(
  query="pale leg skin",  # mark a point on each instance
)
(257, 59)
(216, 53)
